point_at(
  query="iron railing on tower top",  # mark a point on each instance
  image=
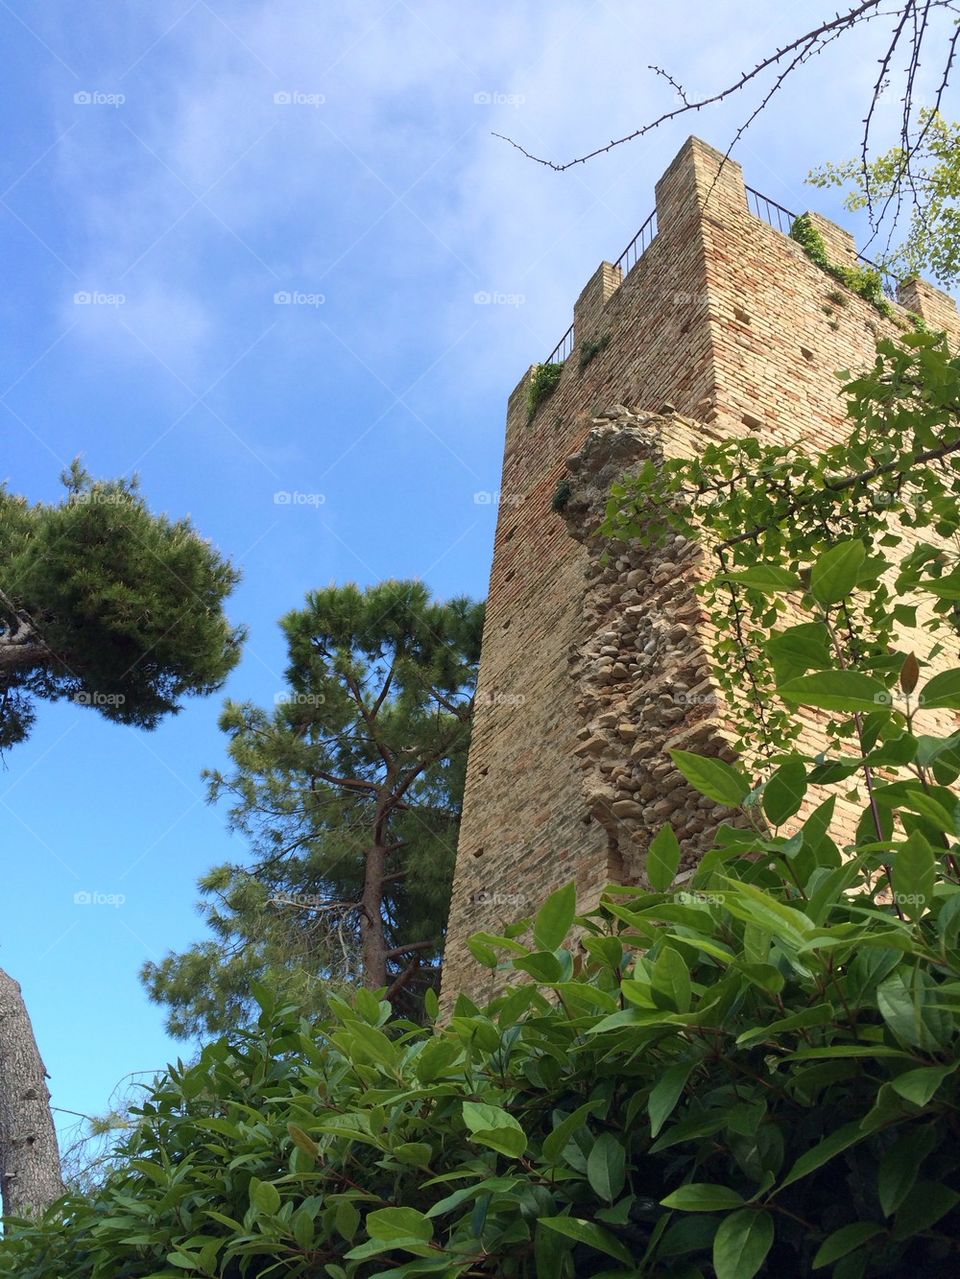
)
(780, 218)
(627, 260)
(776, 215)
(638, 246)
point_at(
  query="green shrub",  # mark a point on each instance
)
(590, 350)
(752, 1072)
(561, 496)
(864, 280)
(756, 1074)
(545, 378)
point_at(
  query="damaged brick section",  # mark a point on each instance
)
(643, 676)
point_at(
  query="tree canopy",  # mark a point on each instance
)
(348, 791)
(109, 605)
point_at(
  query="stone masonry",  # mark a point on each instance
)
(592, 671)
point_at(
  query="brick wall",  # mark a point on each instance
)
(727, 327)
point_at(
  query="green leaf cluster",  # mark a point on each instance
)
(542, 383)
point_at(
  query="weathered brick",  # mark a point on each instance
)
(719, 329)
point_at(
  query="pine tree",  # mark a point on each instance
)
(349, 792)
(109, 605)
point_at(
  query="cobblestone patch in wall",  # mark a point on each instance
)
(643, 676)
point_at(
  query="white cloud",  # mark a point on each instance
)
(300, 194)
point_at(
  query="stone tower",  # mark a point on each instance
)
(713, 323)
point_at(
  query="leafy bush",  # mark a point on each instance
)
(756, 1073)
(545, 378)
(753, 1072)
(591, 349)
(865, 280)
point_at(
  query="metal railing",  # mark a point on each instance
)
(782, 219)
(638, 246)
(627, 260)
(779, 218)
(563, 350)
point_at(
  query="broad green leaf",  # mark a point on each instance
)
(666, 1093)
(482, 953)
(835, 691)
(769, 578)
(436, 1058)
(712, 777)
(899, 1006)
(663, 858)
(818, 1015)
(551, 1252)
(606, 1166)
(742, 1243)
(756, 906)
(823, 1152)
(398, 1223)
(703, 1196)
(923, 1207)
(843, 1241)
(491, 1126)
(914, 875)
(347, 1218)
(555, 1142)
(496, 1185)
(671, 979)
(945, 588)
(542, 965)
(555, 918)
(835, 573)
(920, 1085)
(589, 1233)
(784, 792)
(264, 1196)
(942, 691)
(799, 649)
(901, 1164)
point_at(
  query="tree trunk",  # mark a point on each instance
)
(372, 938)
(30, 1177)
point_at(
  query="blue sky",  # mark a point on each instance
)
(180, 166)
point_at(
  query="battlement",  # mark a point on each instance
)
(714, 322)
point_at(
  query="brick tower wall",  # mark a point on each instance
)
(726, 326)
